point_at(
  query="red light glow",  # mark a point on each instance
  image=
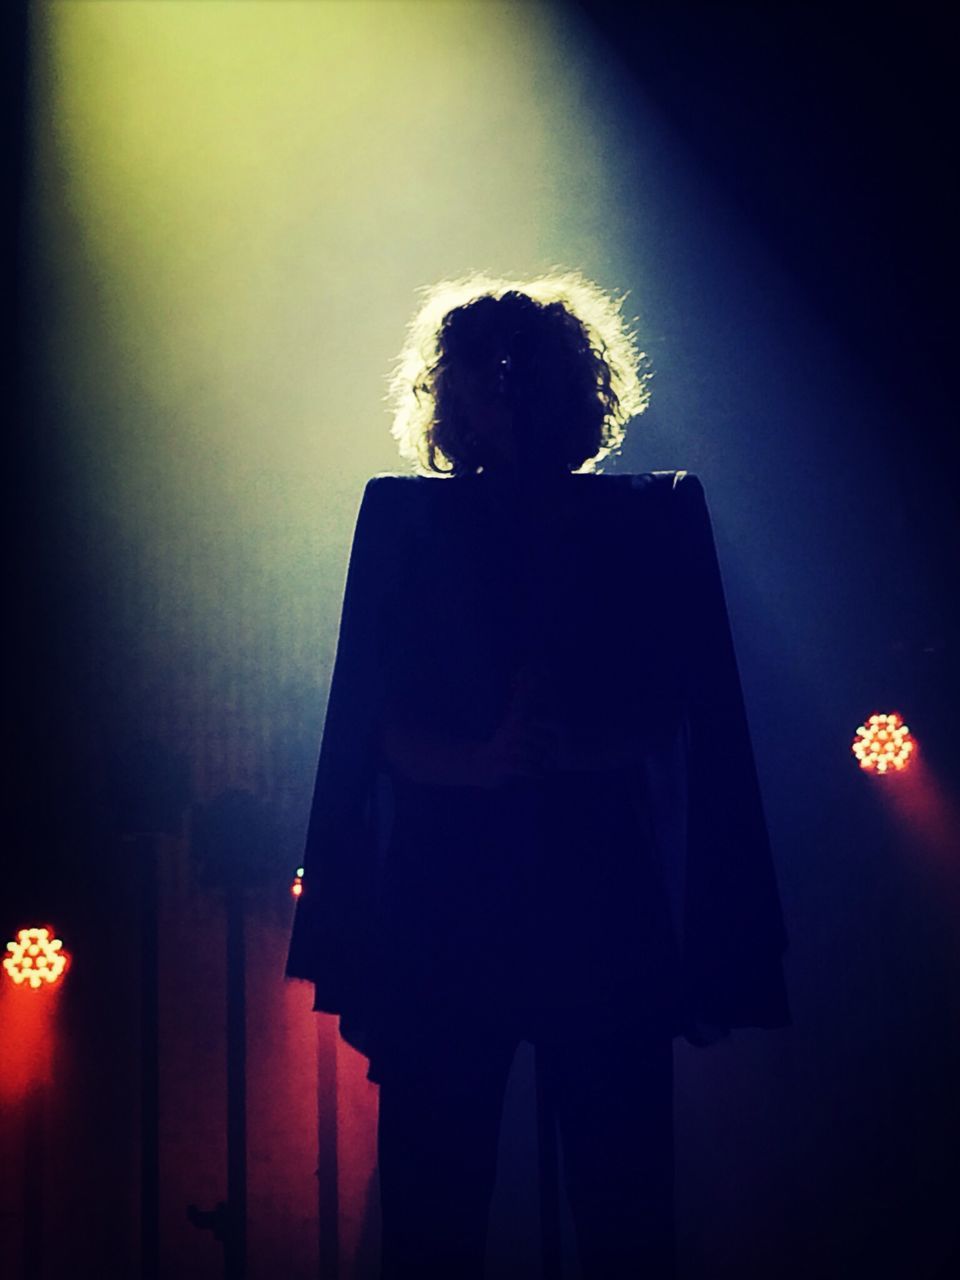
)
(297, 887)
(35, 958)
(884, 744)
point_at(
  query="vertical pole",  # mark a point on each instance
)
(33, 1182)
(149, 1062)
(328, 1200)
(549, 1170)
(236, 1242)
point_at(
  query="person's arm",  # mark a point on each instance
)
(423, 756)
(602, 753)
(521, 746)
(524, 745)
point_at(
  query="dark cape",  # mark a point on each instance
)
(649, 889)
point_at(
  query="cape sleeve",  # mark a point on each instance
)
(332, 932)
(733, 934)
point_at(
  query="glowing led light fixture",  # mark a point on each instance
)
(884, 744)
(297, 887)
(35, 958)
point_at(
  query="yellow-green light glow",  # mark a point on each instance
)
(232, 206)
(260, 186)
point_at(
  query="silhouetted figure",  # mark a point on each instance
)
(528, 650)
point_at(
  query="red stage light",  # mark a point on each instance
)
(884, 743)
(35, 958)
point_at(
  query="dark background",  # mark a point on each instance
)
(831, 131)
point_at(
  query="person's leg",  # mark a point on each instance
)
(613, 1098)
(441, 1099)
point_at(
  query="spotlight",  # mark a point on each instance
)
(297, 887)
(35, 958)
(884, 744)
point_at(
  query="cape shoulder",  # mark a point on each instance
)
(388, 491)
(398, 512)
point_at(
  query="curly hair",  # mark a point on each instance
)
(554, 354)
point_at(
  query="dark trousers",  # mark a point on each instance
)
(441, 1098)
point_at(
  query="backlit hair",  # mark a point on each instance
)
(556, 351)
